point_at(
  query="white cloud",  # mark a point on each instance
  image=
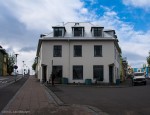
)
(145, 4)
(130, 40)
(84, 11)
(44, 13)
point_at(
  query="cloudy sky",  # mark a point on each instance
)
(22, 22)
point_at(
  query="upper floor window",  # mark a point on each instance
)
(97, 31)
(98, 51)
(57, 51)
(77, 51)
(78, 31)
(59, 31)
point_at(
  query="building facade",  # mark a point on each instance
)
(79, 51)
(3, 62)
(146, 70)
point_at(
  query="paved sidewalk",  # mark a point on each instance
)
(33, 98)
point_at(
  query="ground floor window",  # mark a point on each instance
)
(77, 72)
(58, 71)
(98, 72)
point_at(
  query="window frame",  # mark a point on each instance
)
(57, 51)
(96, 52)
(77, 67)
(76, 51)
(100, 68)
(97, 31)
(59, 31)
(78, 31)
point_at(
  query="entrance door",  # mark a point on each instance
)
(110, 74)
(44, 71)
(58, 71)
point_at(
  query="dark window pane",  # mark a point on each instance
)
(58, 32)
(77, 72)
(98, 51)
(57, 52)
(98, 72)
(77, 51)
(78, 31)
(97, 32)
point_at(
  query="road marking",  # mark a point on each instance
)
(3, 81)
(3, 78)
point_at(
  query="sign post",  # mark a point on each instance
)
(15, 67)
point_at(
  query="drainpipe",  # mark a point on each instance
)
(69, 57)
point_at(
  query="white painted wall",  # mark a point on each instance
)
(87, 60)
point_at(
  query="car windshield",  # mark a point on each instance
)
(138, 74)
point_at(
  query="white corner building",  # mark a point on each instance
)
(79, 51)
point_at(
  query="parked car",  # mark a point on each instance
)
(139, 78)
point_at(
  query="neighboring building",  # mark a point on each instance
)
(124, 65)
(3, 62)
(138, 70)
(144, 69)
(79, 51)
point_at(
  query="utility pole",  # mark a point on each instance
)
(16, 67)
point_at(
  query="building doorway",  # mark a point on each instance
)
(111, 74)
(58, 71)
(44, 73)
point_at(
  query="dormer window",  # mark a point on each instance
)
(59, 31)
(78, 31)
(97, 31)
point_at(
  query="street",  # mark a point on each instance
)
(133, 100)
(7, 92)
(4, 81)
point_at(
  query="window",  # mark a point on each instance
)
(98, 72)
(77, 72)
(98, 51)
(78, 31)
(59, 31)
(58, 71)
(97, 31)
(77, 51)
(57, 51)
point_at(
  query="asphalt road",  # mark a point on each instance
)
(4, 81)
(115, 101)
(7, 93)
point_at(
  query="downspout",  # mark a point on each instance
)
(69, 57)
(114, 68)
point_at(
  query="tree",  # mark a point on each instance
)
(148, 60)
(34, 64)
(10, 63)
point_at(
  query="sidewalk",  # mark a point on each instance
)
(34, 99)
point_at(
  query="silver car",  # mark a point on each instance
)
(139, 78)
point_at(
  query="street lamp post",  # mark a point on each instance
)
(23, 68)
(16, 67)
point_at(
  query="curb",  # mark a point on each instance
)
(96, 86)
(50, 94)
(58, 102)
